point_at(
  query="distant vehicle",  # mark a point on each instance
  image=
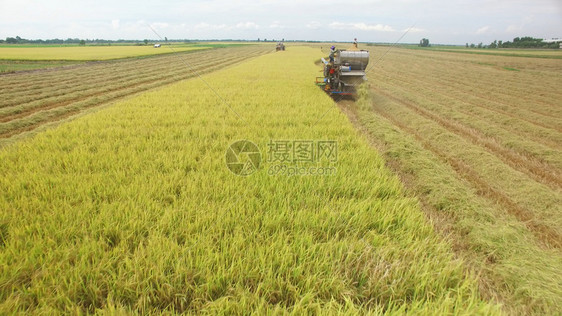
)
(157, 45)
(280, 46)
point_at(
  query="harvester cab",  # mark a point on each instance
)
(344, 72)
(280, 46)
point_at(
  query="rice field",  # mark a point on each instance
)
(33, 100)
(118, 193)
(85, 53)
(478, 139)
(132, 209)
(508, 52)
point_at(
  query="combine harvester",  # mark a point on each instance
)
(344, 71)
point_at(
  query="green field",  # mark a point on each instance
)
(508, 52)
(132, 209)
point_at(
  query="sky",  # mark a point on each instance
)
(441, 21)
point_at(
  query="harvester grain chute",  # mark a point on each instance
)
(344, 72)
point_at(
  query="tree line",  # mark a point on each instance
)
(518, 42)
(19, 40)
(56, 41)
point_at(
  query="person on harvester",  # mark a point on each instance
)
(332, 53)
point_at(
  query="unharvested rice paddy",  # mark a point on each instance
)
(132, 209)
(115, 196)
(89, 52)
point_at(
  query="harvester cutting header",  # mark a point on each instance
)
(344, 70)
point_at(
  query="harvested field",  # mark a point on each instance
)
(478, 138)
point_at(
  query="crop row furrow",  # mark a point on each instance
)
(491, 78)
(539, 170)
(506, 106)
(508, 102)
(88, 90)
(491, 84)
(482, 110)
(442, 107)
(60, 110)
(90, 82)
(549, 236)
(82, 71)
(25, 82)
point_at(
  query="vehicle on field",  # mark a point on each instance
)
(344, 70)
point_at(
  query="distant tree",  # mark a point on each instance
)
(258, 39)
(466, 45)
(265, 39)
(527, 42)
(472, 45)
(480, 45)
(165, 39)
(494, 44)
(424, 42)
(500, 44)
(145, 41)
(82, 43)
(11, 40)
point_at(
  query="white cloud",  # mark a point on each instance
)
(483, 29)
(446, 22)
(361, 26)
(518, 28)
(313, 25)
(276, 25)
(513, 28)
(415, 30)
(207, 26)
(159, 25)
(224, 27)
(247, 25)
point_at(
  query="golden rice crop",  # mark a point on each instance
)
(86, 52)
(132, 209)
